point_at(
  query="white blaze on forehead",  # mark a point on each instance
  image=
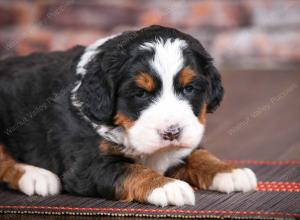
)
(167, 110)
(168, 59)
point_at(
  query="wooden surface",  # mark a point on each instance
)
(259, 117)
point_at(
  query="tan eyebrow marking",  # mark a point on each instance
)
(186, 76)
(145, 81)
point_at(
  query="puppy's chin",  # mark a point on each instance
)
(170, 148)
(140, 155)
(163, 147)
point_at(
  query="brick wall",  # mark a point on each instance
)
(247, 33)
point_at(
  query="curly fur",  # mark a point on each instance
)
(42, 126)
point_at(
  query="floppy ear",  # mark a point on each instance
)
(205, 64)
(215, 91)
(99, 71)
(96, 93)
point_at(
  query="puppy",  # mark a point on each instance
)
(120, 119)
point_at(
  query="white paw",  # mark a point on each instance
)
(38, 181)
(238, 180)
(173, 193)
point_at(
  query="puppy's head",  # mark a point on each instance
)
(149, 89)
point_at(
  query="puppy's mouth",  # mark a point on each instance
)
(168, 146)
(171, 147)
(132, 152)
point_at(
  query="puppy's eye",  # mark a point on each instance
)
(188, 90)
(141, 94)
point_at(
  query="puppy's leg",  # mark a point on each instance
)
(28, 179)
(144, 185)
(205, 171)
(113, 178)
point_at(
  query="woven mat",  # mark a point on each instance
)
(277, 196)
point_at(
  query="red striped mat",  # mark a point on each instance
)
(277, 196)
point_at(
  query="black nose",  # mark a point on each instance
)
(171, 133)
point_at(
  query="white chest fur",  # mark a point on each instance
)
(161, 161)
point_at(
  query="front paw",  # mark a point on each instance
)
(177, 193)
(144, 185)
(237, 180)
(38, 181)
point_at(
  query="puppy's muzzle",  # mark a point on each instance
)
(171, 133)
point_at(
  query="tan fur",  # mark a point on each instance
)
(10, 170)
(104, 146)
(145, 81)
(107, 147)
(123, 120)
(202, 114)
(186, 76)
(200, 169)
(139, 183)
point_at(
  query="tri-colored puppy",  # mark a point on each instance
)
(119, 119)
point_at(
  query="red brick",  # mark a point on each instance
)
(7, 15)
(17, 13)
(274, 13)
(67, 39)
(213, 14)
(33, 41)
(218, 14)
(247, 31)
(96, 16)
(150, 17)
(255, 45)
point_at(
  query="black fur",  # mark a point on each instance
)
(39, 125)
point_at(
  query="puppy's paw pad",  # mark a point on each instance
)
(173, 193)
(38, 181)
(238, 180)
